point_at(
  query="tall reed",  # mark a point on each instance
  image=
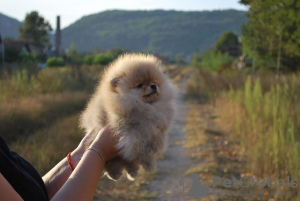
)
(262, 114)
(267, 124)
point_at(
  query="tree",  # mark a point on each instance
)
(73, 55)
(228, 43)
(273, 32)
(36, 30)
(228, 38)
(115, 52)
(245, 2)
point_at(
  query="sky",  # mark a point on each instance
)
(72, 10)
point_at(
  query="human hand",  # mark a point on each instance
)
(106, 142)
(86, 141)
(83, 145)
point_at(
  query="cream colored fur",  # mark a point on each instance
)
(137, 111)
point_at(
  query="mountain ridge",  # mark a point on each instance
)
(158, 31)
(9, 26)
(167, 32)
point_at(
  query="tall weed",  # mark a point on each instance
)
(22, 82)
(262, 114)
(269, 126)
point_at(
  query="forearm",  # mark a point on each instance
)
(58, 175)
(82, 183)
(63, 184)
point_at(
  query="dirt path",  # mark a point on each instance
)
(168, 184)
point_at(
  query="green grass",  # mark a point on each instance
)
(39, 119)
(267, 126)
(40, 111)
(261, 113)
(24, 82)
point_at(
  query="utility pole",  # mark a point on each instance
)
(2, 52)
(58, 38)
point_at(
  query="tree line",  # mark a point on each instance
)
(272, 35)
(270, 38)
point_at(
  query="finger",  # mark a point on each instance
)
(91, 132)
(89, 137)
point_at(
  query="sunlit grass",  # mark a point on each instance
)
(20, 118)
(23, 82)
(39, 120)
(260, 113)
(47, 146)
(267, 123)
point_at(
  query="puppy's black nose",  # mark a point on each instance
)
(153, 87)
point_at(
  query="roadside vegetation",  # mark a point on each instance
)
(256, 118)
(243, 113)
(39, 118)
(242, 96)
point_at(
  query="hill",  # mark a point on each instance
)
(159, 31)
(9, 27)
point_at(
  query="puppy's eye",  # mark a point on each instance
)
(139, 86)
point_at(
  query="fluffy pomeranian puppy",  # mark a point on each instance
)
(137, 100)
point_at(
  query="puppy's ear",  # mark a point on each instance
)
(114, 82)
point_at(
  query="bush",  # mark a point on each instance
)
(212, 60)
(88, 59)
(11, 54)
(102, 59)
(55, 62)
(27, 58)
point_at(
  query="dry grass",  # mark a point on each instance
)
(39, 119)
(20, 118)
(267, 124)
(124, 189)
(23, 82)
(47, 146)
(261, 115)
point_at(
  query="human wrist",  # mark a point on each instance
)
(75, 156)
(96, 151)
(105, 143)
(98, 147)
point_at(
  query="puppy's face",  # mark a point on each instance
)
(147, 91)
(142, 83)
